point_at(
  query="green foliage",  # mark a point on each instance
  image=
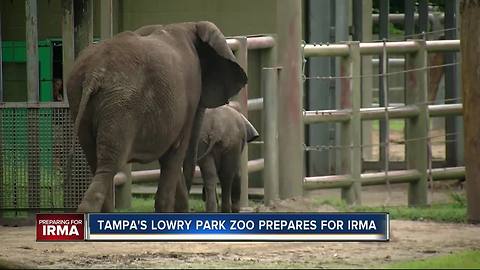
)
(454, 211)
(465, 259)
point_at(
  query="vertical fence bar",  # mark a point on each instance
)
(106, 19)
(356, 121)
(351, 159)
(83, 20)
(1, 60)
(242, 97)
(33, 97)
(423, 16)
(270, 130)
(291, 128)
(409, 19)
(32, 51)
(452, 123)
(416, 132)
(367, 82)
(68, 51)
(383, 34)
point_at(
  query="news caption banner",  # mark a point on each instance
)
(214, 227)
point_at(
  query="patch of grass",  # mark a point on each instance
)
(465, 259)
(454, 211)
(395, 125)
(146, 204)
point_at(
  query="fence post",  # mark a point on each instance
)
(351, 158)
(416, 129)
(291, 127)
(68, 51)
(270, 130)
(242, 97)
(83, 21)
(123, 192)
(33, 97)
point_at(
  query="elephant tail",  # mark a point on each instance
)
(90, 86)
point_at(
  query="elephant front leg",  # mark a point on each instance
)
(97, 196)
(210, 179)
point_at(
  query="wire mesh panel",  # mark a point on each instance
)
(34, 146)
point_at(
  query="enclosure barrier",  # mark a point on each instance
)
(416, 112)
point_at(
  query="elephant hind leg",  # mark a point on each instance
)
(96, 197)
(236, 190)
(210, 179)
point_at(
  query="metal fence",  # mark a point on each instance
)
(35, 140)
(416, 111)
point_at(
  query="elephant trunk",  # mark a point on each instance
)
(191, 156)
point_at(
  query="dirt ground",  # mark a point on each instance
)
(409, 240)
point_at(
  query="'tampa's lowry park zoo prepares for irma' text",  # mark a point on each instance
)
(266, 134)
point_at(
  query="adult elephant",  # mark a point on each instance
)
(140, 96)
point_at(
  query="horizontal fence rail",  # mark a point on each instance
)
(149, 176)
(379, 178)
(406, 111)
(394, 47)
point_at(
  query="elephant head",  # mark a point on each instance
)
(141, 96)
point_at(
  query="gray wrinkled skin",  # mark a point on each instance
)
(139, 97)
(223, 135)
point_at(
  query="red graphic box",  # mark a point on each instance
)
(60, 227)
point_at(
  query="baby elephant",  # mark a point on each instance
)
(223, 135)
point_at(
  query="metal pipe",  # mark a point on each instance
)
(68, 52)
(242, 98)
(329, 181)
(445, 109)
(399, 17)
(148, 176)
(233, 43)
(106, 19)
(391, 61)
(325, 116)
(379, 113)
(1, 61)
(270, 128)
(32, 51)
(253, 43)
(376, 113)
(255, 104)
(366, 48)
(394, 177)
(260, 42)
(448, 173)
(378, 178)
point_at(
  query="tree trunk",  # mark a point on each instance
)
(470, 51)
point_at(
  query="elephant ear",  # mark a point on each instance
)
(250, 131)
(222, 76)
